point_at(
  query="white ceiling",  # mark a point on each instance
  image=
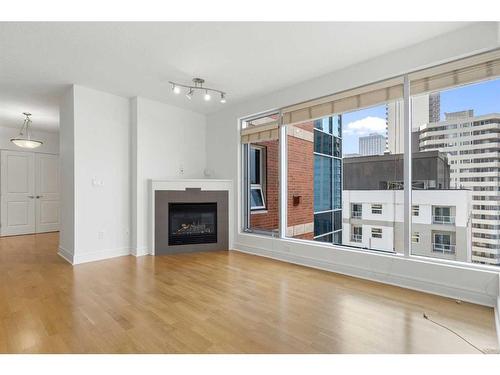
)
(38, 60)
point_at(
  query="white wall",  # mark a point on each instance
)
(95, 137)
(50, 140)
(223, 157)
(168, 142)
(111, 147)
(67, 163)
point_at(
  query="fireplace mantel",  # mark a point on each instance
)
(182, 185)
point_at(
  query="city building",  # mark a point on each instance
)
(430, 171)
(424, 108)
(373, 200)
(373, 144)
(441, 225)
(473, 148)
(314, 181)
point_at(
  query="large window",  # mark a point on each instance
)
(457, 133)
(345, 163)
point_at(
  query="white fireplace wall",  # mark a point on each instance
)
(167, 143)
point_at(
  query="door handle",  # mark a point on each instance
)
(39, 196)
(31, 196)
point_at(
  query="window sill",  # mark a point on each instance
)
(411, 257)
(255, 212)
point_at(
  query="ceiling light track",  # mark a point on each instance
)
(198, 86)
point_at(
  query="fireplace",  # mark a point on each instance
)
(190, 220)
(192, 223)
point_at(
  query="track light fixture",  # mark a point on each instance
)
(198, 86)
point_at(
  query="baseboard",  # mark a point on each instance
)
(65, 254)
(100, 255)
(497, 320)
(139, 252)
(421, 285)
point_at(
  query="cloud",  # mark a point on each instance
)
(365, 126)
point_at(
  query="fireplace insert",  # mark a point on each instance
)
(192, 223)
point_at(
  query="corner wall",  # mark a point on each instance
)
(223, 157)
(168, 142)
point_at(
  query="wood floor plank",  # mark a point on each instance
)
(216, 302)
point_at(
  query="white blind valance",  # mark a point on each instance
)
(366, 96)
(456, 73)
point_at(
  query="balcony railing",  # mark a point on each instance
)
(436, 219)
(356, 238)
(356, 214)
(443, 248)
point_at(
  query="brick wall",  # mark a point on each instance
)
(300, 184)
(301, 180)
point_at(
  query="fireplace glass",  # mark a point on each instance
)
(192, 223)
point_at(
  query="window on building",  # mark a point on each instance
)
(357, 233)
(415, 237)
(377, 209)
(442, 215)
(443, 243)
(257, 173)
(376, 232)
(415, 210)
(356, 210)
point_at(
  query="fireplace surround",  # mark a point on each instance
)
(190, 216)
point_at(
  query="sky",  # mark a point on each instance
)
(482, 97)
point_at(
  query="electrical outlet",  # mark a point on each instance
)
(181, 169)
(100, 235)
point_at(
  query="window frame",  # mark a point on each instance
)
(407, 173)
(262, 173)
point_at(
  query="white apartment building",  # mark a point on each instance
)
(373, 144)
(473, 148)
(424, 108)
(441, 222)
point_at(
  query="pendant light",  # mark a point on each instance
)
(24, 138)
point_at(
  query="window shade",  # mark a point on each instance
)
(460, 72)
(260, 133)
(346, 101)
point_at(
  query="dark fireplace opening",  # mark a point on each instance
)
(192, 223)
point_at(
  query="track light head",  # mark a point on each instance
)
(176, 89)
(222, 98)
(190, 93)
(207, 96)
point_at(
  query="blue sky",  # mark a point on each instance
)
(482, 97)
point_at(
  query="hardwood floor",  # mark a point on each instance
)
(220, 302)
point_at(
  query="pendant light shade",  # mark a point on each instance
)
(24, 138)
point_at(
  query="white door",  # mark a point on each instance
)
(17, 193)
(47, 192)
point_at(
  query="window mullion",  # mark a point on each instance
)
(407, 167)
